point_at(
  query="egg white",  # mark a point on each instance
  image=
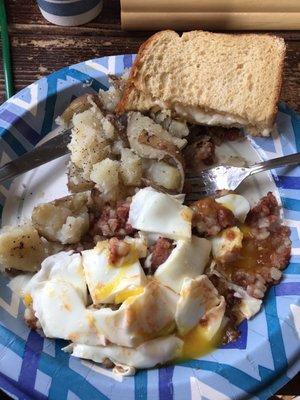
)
(63, 314)
(226, 242)
(63, 266)
(146, 355)
(156, 212)
(106, 281)
(140, 318)
(197, 297)
(187, 260)
(236, 203)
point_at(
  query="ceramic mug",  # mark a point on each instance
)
(70, 12)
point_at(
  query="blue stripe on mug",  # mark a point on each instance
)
(67, 9)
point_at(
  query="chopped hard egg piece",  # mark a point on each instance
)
(197, 296)
(187, 260)
(142, 317)
(249, 305)
(236, 203)
(146, 355)
(227, 243)
(156, 212)
(106, 280)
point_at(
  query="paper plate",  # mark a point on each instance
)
(263, 359)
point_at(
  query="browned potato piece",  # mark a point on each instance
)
(21, 248)
(150, 141)
(63, 220)
(164, 175)
(90, 142)
(76, 182)
(131, 169)
(79, 105)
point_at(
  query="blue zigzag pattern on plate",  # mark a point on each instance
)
(263, 359)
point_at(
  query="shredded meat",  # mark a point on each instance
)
(117, 250)
(232, 302)
(199, 154)
(211, 217)
(266, 250)
(112, 221)
(220, 135)
(266, 212)
(160, 252)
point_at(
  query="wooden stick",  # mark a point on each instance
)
(210, 20)
(210, 5)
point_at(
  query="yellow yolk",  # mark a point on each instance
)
(196, 343)
(125, 294)
(105, 291)
(123, 265)
(246, 230)
(27, 299)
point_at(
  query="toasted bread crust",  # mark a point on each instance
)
(137, 97)
(130, 86)
(279, 85)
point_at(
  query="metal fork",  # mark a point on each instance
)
(208, 181)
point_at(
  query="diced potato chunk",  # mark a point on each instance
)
(21, 248)
(131, 168)
(89, 143)
(76, 182)
(64, 220)
(164, 175)
(106, 176)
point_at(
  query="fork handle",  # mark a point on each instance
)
(284, 161)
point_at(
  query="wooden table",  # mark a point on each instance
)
(39, 48)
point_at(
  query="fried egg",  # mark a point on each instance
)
(236, 203)
(140, 318)
(63, 266)
(109, 283)
(187, 260)
(62, 313)
(197, 297)
(156, 212)
(226, 243)
(146, 355)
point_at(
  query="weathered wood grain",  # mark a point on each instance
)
(39, 48)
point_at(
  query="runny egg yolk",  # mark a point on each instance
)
(246, 230)
(125, 294)
(27, 299)
(123, 266)
(105, 291)
(196, 343)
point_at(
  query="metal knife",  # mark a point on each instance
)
(52, 149)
